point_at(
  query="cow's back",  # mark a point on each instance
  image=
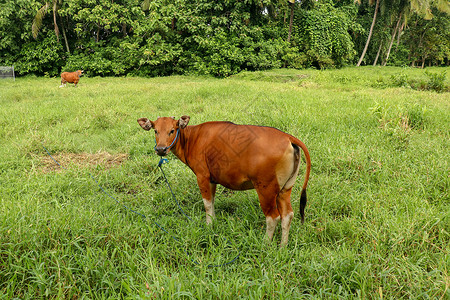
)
(238, 140)
(236, 154)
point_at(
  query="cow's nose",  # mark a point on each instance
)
(161, 151)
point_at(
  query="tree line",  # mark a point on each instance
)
(220, 37)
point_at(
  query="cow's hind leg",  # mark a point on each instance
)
(268, 202)
(286, 213)
(286, 175)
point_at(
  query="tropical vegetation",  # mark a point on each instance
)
(221, 38)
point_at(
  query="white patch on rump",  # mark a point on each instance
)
(286, 175)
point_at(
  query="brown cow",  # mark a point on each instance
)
(239, 157)
(70, 77)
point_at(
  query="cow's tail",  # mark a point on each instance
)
(303, 198)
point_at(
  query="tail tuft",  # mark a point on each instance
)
(303, 205)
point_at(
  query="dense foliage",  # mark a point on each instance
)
(160, 37)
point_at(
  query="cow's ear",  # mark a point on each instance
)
(145, 123)
(183, 121)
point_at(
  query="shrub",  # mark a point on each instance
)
(400, 80)
(399, 123)
(40, 57)
(436, 81)
(416, 116)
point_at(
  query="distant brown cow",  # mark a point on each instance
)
(70, 77)
(239, 157)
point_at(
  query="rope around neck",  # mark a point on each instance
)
(161, 162)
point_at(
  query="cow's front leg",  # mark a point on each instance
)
(208, 190)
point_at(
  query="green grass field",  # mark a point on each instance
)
(377, 220)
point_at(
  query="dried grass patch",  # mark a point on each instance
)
(105, 159)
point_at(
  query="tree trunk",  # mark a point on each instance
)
(124, 30)
(64, 35)
(291, 20)
(400, 30)
(378, 55)
(54, 21)
(392, 40)
(370, 34)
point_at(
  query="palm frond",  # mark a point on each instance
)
(37, 21)
(145, 5)
(442, 5)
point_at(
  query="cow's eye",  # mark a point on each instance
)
(172, 131)
(156, 131)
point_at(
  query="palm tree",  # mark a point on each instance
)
(291, 19)
(392, 38)
(37, 21)
(276, 6)
(423, 7)
(407, 7)
(370, 32)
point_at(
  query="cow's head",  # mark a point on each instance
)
(166, 131)
(80, 72)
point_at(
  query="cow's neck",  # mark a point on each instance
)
(180, 150)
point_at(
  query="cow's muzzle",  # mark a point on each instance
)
(161, 151)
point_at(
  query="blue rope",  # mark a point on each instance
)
(173, 142)
(161, 162)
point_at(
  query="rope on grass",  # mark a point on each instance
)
(161, 162)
